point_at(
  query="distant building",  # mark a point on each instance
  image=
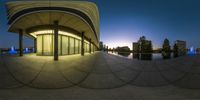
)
(158, 50)
(135, 47)
(142, 46)
(181, 47)
(104, 47)
(145, 46)
(197, 50)
(101, 46)
(123, 49)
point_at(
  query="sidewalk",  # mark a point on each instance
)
(99, 76)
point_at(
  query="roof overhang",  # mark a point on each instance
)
(76, 15)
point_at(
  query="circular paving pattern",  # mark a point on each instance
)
(97, 71)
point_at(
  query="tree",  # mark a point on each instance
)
(150, 47)
(166, 46)
(142, 44)
(145, 46)
(175, 50)
(143, 38)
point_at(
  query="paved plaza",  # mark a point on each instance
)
(98, 76)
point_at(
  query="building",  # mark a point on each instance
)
(198, 50)
(145, 46)
(57, 27)
(142, 46)
(136, 47)
(101, 46)
(123, 49)
(181, 45)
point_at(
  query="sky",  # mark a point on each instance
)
(124, 21)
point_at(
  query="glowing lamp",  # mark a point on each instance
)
(12, 50)
(26, 50)
(192, 50)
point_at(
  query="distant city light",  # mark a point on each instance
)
(192, 50)
(26, 50)
(12, 50)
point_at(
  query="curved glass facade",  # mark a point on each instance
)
(68, 44)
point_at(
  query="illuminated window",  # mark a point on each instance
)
(65, 45)
(79, 46)
(76, 46)
(85, 47)
(71, 48)
(39, 45)
(47, 45)
(92, 48)
(59, 44)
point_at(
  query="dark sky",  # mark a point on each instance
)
(124, 21)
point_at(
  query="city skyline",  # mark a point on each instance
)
(124, 22)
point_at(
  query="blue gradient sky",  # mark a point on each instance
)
(124, 21)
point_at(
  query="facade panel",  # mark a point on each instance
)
(71, 49)
(76, 46)
(39, 45)
(65, 45)
(47, 45)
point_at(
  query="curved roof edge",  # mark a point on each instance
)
(88, 8)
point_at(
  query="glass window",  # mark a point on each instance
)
(91, 47)
(76, 46)
(71, 49)
(85, 47)
(52, 36)
(59, 45)
(39, 45)
(47, 45)
(65, 45)
(79, 46)
(88, 47)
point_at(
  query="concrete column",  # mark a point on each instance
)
(56, 40)
(35, 45)
(90, 49)
(82, 44)
(20, 42)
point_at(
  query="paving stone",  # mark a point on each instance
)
(127, 75)
(97, 81)
(191, 81)
(149, 79)
(172, 75)
(74, 76)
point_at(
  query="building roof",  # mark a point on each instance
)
(81, 16)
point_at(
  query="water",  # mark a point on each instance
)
(150, 56)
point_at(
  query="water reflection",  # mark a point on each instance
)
(125, 54)
(166, 55)
(146, 56)
(142, 56)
